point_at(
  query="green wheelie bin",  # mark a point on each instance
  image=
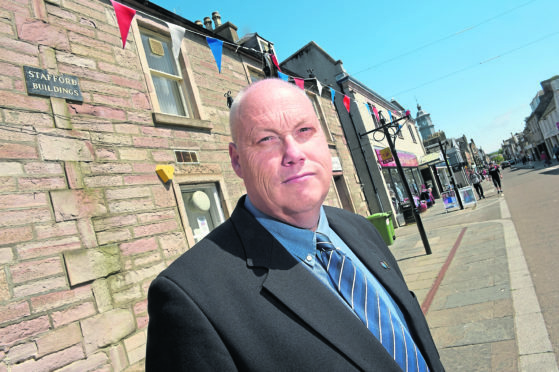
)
(384, 225)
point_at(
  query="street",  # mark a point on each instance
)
(489, 289)
(532, 196)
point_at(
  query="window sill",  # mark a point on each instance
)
(182, 121)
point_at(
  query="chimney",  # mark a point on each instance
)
(217, 19)
(199, 23)
(208, 23)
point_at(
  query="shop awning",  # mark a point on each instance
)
(431, 159)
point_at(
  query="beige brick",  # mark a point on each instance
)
(87, 233)
(90, 264)
(102, 295)
(113, 236)
(10, 168)
(15, 235)
(120, 281)
(70, 149)
(74, 204)
(128, 295)
(24, 216)
(156, 216)
(136, 347)
(156, 228)
(96, 362)
(43, 248)
(36, 269)
(40, 286)
(19, 331)
(59, 299)
(127, 193)
(21, 352)
(43, 168)
(39, 32)
(56, 229)
(132, 205)
(101, 224)
(133, 154)
(107, 328)
(42, 183)
(103, 181)
(73, 314)
(4, 289)
(74, 174)
(17, 151)
(14, 311)
(6, 255)
(23, 200)
(51, 362)
(58, 339)
(118, 357)
(139, 246)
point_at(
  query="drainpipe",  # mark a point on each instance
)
(362, 152)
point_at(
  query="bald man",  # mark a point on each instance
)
(251, 295)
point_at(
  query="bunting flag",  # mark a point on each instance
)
(332, 93)
(217, 47)
(177, 34)
(390, 115)
(376, 113)
(300, 82)
(283, 76)
(368, 108)
(347, 102)
(124, 16)
(319, 87)
(275, 60)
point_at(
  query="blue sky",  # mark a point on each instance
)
(474, 66)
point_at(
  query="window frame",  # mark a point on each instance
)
(314, 98)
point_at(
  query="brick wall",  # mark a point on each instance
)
(85, 223)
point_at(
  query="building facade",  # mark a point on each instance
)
(382, 184)
(88, 217)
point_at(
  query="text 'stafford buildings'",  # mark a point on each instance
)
(86, 222)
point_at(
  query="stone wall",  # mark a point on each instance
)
(85, 222)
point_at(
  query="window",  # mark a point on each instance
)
(318, 110)
(165, 74)
(255, 75)
(203, 208)
(411, 133)
(375, 121)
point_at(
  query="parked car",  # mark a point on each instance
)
(505, 164)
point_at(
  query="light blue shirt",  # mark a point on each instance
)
(301, 244)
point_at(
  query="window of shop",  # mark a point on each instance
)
(255, 75)
(203, 208)
(165, 75)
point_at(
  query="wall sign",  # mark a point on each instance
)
(42, 83)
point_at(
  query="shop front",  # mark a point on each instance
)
(395, 185)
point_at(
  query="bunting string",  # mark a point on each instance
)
(125, 15)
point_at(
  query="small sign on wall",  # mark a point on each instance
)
(42, 83)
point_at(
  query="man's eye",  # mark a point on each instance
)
(305, 129)
(265, 139)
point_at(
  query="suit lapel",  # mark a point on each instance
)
(303, 294)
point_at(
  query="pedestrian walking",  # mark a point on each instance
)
(545, 159)
(475, 179)
(496, 176)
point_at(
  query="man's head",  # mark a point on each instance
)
(280, 151)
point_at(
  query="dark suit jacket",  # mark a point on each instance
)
(238, 300)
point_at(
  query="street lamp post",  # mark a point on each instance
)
(384, 128)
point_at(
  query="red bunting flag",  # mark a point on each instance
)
(347, 102)
(124, 16)
(300, 82)
(376, 113)
(275, 60)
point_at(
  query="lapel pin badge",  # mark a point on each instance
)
(384, 265)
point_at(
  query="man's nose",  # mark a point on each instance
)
(292, 151)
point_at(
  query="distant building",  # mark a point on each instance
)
(424, 124)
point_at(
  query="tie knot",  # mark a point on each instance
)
(323, 242)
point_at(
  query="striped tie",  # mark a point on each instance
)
(372, 309)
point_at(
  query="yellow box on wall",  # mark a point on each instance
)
(165, 172)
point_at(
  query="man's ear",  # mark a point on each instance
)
(234, 155)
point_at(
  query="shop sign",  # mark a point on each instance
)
(386, 155)
(406, 159)
(42, 83)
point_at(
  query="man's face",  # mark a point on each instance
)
(281, 154)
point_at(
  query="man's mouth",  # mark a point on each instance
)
(298, 177)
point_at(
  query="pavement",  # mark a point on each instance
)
(475, 288)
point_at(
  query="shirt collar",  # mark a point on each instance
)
(299, 242)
